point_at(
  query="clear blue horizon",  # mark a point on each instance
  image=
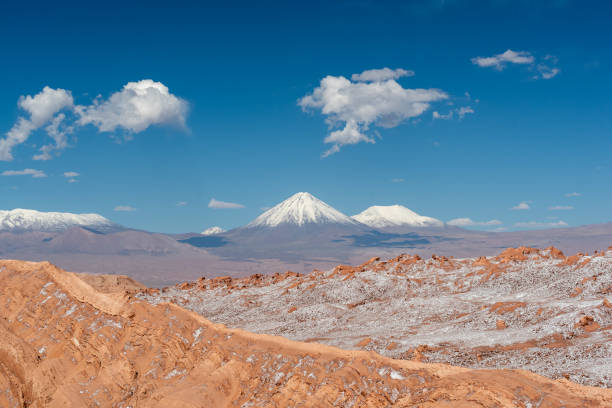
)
(456, 127)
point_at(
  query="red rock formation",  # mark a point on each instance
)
(364, 342)
(587, 323)
(505, 307)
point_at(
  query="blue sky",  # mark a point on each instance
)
(230, 126)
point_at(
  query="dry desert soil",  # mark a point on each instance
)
(71, 340)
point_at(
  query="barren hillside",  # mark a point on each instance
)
(64, 343)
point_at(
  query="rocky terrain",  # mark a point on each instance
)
(68, 341)
(526, 308)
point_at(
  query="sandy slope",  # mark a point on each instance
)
(63, 343)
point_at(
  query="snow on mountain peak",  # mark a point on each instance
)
(31, 220)
(380, 216)
(301, 209)
(213, 231)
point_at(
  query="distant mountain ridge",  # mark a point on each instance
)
(299, 234)
(21, 219)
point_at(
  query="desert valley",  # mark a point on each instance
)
(412, 330)
(289, 204)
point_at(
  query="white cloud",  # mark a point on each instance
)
(377, 75)
(464, 110)
(125, 208)
(41, 109)
(438, 115)
(45, 104)
(546, 72)
(353, 106)
(71, 175)
(136, 107)
(59, 134)
(500, 61)
(24, 172)
(181, 203)
(468, 222)
(561, 207)
(397, 180)
(460, 112)
(524, 205)
(574, 194)
(350, 134)
(535, 224)
(545, 68)
(223, 204)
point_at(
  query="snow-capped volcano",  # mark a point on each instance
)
(32, 220)
(380, 216)
(213, 231)
(301, 209)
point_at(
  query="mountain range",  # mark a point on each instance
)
(31, 220)
(301, 209)
(301, 233)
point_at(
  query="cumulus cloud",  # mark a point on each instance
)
(373, 97)
(574, 194)
(524, 205)
(397, 180)
(181, 203)
(500, 61)
(25, 172)
(135, 108)
(545, 68)
(561, 207)
(223, 204)
(124, 208)
(468, 222)
(536, 224)
(41, 109)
